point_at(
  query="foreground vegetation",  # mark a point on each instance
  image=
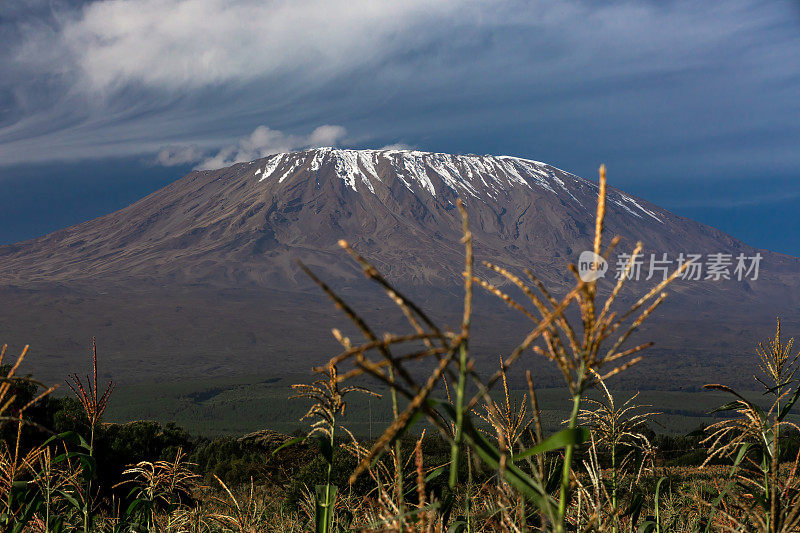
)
(461, 452)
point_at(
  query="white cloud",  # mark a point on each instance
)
(261, 143)
(180, 44)
(327, 135)
(170, 156)
(397, 146)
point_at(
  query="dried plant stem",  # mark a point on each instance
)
(601, 209)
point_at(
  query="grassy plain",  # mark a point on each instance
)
(240, 405)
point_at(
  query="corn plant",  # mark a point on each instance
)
(16, 463)
(620, 430)
(509, 419)
(160, 486)
(60, 479)
(579, 352)
(763, 500)
(329, 402)
(243, 514)
(94, 405)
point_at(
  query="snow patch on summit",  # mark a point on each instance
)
(347, 168)
(482, 177)
(636, 204)
(272, 164)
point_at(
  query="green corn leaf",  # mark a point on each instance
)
(657, 503)
(635, 506)
(457, 527)
(289, 443)
(447, 508)
(788, 407)
(731, 406)
(436, 473)
(558, 440)
(554, 480)
(750, 404)
(325, 448)
(69, 498)
(739, 456)
(776, 387)
(648, 526)
(135, 506)
(323, 509)
(70, 437)
(515, 477)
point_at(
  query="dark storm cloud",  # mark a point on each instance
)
(663, 92)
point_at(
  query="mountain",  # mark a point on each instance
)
(204, 269)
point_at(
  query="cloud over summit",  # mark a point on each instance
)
(262, 142)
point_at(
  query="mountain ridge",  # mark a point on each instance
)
(216, 250)
(412, 172)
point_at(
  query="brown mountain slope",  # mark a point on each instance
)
(203, 269)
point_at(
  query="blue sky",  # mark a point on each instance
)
(694, 106)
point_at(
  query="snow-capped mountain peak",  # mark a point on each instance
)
(485, 177)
